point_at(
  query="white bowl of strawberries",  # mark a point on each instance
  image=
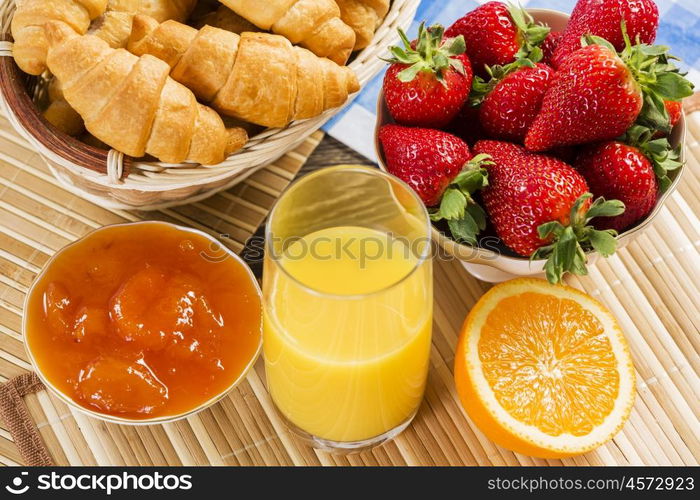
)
(562, 147)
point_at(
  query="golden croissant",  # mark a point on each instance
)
(158, 9)
(131, 104)
(364, 17)
(114, 26)
(257, 77)
(226, 19)
(59, 113)
(314, 24)
(163, 10)
(30, 44)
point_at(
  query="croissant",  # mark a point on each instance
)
(59, 113)
(314, 24)
(163, 10)
(131, 104)
(226, 19)
(30, 45)
(257, 77)
(123, 5)
(364, 17)
(114, 27)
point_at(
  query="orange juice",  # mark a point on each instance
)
(347, 333)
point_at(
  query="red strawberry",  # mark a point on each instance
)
(427, 84)
(540, 207)
(441, 169)
(674, 110)
(592, 97)
(510, 107)
(548, 46)
(597, 94)
(496, 33)
(603, 18)
(615, 170)
(426, 159)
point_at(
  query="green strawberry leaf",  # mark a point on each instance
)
(664, 158)
(653, 50)
(410, 73)
(654, 114)
(596, 40)
(536, 55)
(605, 208)
(473, 176)
(453, 204)
(457, 47)
(671, 86)
(432, 53)
(481, 87)
(664, 181)
(567, 251)
(464, 216)
(553, 228)
(464, 229)
(603, 242)
(477, 213)
(530, 34)
(578, 265)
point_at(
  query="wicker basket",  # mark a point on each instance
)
(113, 180)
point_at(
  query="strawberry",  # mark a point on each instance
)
(428, 81)
(597, 95)
(674, 110)
(426, 159)
(441, 170)
(540, 208)
(548, 46)
(658, 151)
(603, 18)
(497, 34)
(616, 170)
(513, 101)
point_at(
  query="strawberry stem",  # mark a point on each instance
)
(432, 53)
(530, 34)
(567, 251)
(663, 156)
(482, 87)
(463, 215)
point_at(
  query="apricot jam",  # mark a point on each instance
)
(143, 321)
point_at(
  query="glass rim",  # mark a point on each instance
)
(425, 255)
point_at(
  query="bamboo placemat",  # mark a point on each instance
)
(651, 286)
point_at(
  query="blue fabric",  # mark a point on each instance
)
(679, 28)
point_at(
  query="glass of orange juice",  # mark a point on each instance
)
(348, 306)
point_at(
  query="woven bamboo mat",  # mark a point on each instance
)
(651, 286)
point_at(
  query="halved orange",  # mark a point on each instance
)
(543, 369)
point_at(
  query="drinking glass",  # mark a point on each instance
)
(347, 287)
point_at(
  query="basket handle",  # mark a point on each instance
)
(14, 89)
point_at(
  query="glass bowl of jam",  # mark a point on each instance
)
(144, 322)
